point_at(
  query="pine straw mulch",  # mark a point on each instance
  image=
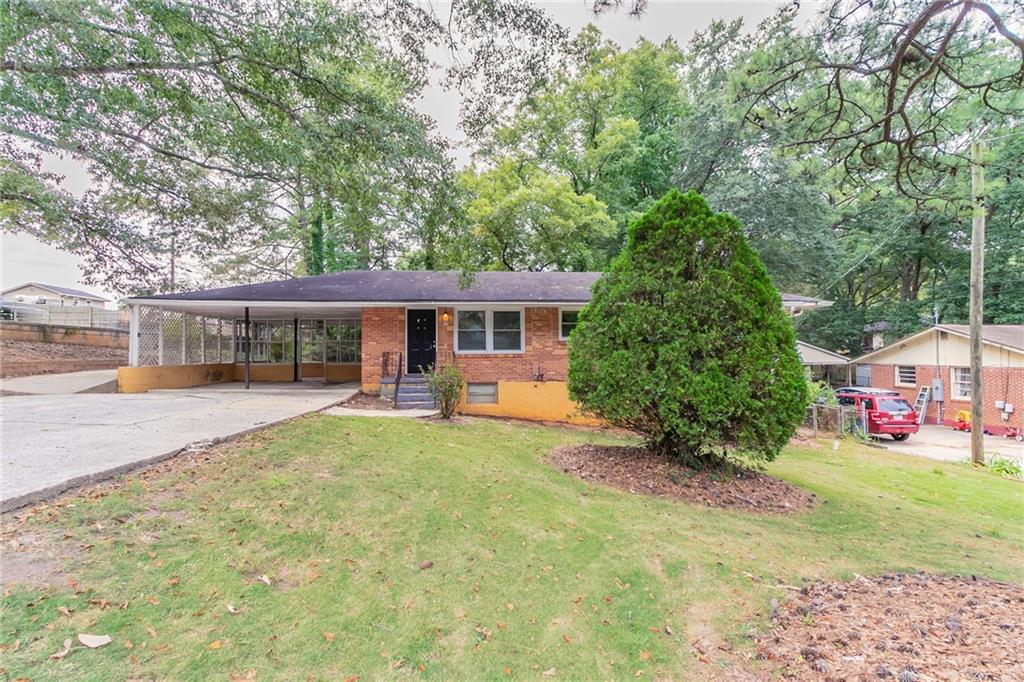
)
(365, 401)
(638, 471)
(910, 628)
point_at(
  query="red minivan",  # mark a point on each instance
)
(887, 411)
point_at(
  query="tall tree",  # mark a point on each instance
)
(249, 118)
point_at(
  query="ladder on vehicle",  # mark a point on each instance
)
(921, 402)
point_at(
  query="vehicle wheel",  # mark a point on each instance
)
(900, 436)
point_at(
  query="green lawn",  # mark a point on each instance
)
(532, 569)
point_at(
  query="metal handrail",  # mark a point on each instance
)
(398, 375)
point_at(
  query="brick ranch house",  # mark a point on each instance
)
(506, 331)
(942, 354)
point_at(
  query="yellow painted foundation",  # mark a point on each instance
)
(533, 400)
(142, 379)
(337, 374)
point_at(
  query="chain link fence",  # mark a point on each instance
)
(838, 420)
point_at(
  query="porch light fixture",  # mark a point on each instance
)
(444, 317)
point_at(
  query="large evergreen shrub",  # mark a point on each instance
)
(686, 342)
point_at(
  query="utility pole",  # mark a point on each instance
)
(977, 300)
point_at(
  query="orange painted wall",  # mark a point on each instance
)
(142, 379)
(534, 400)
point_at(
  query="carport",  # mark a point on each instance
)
(198, 342)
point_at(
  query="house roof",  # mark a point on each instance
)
(1004, 335)
(63, 291)
(378, 286)
(813, 355)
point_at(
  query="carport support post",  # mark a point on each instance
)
(295, 350)
(133, 337)
(248, 347)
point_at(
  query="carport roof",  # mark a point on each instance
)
(369, 287)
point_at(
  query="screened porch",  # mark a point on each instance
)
(249, 343)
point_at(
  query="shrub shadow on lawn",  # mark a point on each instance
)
(639, 471)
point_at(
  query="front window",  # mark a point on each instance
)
(508, 328)
(961, 381)
(567, 323)
(906, 375)
(344, 340)
(271, 340)
(472, 330)
(489, 330)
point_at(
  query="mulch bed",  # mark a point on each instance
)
(639, 471)
(911, 628)
(365, 401)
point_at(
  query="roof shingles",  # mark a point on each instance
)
(379, 286)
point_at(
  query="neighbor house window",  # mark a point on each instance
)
(961, 383)
(906, 375)
(344, 340)
(485, 330)
(567, 322)
(482, 393)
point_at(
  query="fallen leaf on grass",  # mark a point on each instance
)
(668, 630)
(95, 641)
(264, 579)
(65, 610)
(425, 565)
(231, 609)
(215, 644)
(128, 644)
(329, 636)
(645, 655)
(150, 631)
(351, 678)
(550, 672)
(63, 652)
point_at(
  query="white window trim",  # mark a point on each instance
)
(489, 330)
(896, 379)
(560, 311)
(953, 383)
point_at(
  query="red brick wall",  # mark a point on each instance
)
(384, 331)
(544, 353)
(1001, 383)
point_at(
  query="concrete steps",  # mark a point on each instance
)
(414, 393)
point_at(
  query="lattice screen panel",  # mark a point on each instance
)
(149, 336)
(176, 338)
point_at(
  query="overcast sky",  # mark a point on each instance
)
(25, 259)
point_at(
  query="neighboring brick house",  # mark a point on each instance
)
(507, 331)
(942, 353)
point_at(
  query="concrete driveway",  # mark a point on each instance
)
(943, 443)
(54, 442)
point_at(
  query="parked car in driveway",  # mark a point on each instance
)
(885, 411)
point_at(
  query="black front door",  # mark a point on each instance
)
(421, 339)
